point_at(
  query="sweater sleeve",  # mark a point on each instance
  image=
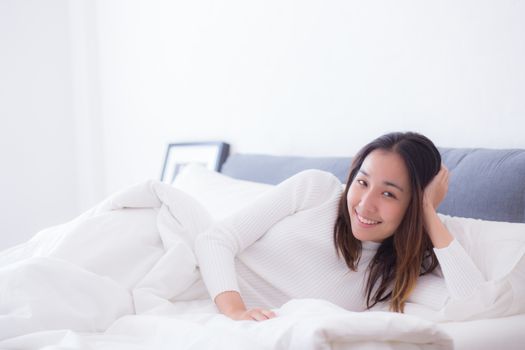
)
(216, 248)
(462, 277)
(456, 277)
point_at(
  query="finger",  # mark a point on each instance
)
(447, 176)
(447, 172)
(255, 314)
(258, 316)
(268, 313)
(442, 175)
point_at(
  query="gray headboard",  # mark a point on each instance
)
(484, 184)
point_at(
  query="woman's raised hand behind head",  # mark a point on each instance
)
(436, 190)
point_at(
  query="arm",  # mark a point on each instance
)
(462, 277)
(216, 248)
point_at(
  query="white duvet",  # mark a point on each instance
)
(123, 276)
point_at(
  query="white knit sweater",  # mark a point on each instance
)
(281, 247)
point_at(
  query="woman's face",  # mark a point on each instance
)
(379, 196)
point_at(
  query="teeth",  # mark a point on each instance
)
(366, 221)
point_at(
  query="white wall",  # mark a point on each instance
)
(85, 88)
(38, 178)
(98, 88)
(306, 77)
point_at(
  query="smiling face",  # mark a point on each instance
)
(378, 196)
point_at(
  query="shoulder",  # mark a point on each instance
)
(317, 175)
(317, 180)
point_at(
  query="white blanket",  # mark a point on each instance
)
(123, 276)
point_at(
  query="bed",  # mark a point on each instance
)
(123, 275)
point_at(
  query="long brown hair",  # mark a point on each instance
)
(408, 253)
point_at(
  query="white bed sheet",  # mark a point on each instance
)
(489, 334)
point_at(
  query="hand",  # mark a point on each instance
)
(255, 314)
(433, 195)
(231, 304)
(437, 189)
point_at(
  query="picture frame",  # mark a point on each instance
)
(211, 154)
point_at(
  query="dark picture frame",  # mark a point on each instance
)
(211, 154)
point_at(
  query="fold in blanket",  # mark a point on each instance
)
(131, 253)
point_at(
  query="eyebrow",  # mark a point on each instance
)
(388, 183)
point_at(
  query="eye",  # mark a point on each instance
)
(389, 195)
(361, 182)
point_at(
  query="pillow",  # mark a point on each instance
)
(221, 195)
(498, 250)
(494, 246)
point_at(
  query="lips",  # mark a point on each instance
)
(366, 221)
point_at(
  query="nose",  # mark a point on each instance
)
(368, 202)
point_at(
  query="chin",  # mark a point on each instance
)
(364, 237)
(358, 235)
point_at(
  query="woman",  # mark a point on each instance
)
(366, 245)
